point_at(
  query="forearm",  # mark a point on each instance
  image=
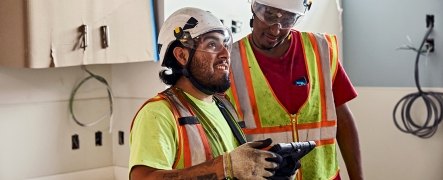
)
(348, 142)
(212, 170)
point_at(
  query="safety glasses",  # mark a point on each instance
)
(271, 16)
(211, 42)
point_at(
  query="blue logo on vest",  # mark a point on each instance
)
(301, 81)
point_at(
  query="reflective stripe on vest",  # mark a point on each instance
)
(193, 141)
(265, 116)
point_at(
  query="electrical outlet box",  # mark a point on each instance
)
(121, 137)
(429, 20)
(75, 142)
(98, 138)
(429, 44)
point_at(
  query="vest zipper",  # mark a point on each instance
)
(294, 118)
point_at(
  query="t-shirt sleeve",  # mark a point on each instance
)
(153, 139)
(342, 87)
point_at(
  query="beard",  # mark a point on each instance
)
(203, 72)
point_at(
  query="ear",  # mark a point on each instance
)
(181, 54)
(251, 21)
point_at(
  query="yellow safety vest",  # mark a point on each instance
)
(265, 116)
(194, 145)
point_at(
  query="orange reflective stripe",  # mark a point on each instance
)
(331, 54)
(235, 95)
(205, 141)
(333, 41)
(289, 127)
(183, 101)
(321, 78)
(189, 136)
(176, 113)
(248, 79)
(201, 132)
(186, 150)
(299, 175)
(316, 124)
(181, 144)
(268, 129)
(324, 142)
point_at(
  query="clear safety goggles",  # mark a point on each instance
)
(270, 16)
(211, 42)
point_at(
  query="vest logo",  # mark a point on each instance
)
(302, 81)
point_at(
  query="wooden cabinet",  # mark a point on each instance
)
(59, 33)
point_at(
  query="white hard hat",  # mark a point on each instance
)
(193, 21)
(294, 6)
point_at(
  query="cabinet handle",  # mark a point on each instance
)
(84, 36)
(105, 36)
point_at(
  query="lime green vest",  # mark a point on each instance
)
(264, 115)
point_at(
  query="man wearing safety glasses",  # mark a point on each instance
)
(289, 85)
(190, 130)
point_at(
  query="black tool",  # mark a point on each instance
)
(294, 149)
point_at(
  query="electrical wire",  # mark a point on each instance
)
(433, 102)
(110, 99)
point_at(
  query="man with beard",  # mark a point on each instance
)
(190, 130)
(290, 86)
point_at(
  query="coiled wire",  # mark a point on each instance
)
(433, 102)
(110, 99)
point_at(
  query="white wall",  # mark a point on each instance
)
(35, 126)
(387, 152)
(374, 32)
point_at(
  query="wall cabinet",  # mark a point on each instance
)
(59, 33)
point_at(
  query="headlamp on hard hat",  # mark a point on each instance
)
(213, 42)
(270, 15)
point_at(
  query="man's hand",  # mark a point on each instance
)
(287, 169)
(248, 161)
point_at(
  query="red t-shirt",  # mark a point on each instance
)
(284, 72)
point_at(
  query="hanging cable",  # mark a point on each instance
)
(110, 99)
(433, 102)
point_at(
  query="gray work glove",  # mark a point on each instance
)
(248, 161)
(287, 169)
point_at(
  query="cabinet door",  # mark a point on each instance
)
(131, 31)
(54, 32)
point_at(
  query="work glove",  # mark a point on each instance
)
(287, 168)
(248, 161)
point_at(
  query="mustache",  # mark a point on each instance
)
(222, 61)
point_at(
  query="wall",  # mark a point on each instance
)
(387, 152)
(36, 128)
(372, 34)
(375, 31)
